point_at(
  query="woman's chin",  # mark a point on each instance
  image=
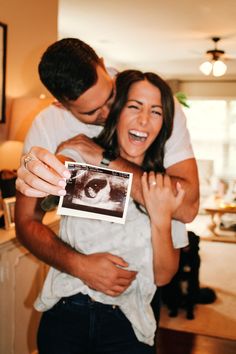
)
(133, 157)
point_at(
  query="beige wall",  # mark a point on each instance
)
(32, 26)
(216, 89)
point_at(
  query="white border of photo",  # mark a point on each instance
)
(79, 209)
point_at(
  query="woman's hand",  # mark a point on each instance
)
(160, 200)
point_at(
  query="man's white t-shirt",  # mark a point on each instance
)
(54, 125)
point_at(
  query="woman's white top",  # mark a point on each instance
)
(132, 242)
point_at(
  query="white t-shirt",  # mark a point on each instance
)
(54, 125)
(178, 147)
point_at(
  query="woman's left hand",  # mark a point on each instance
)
(160, 200)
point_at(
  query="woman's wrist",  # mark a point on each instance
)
(162, 223)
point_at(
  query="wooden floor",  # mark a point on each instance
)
(175, 342)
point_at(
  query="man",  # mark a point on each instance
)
(75, 75)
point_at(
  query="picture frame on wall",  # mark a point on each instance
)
(3, 52)
(9, 212)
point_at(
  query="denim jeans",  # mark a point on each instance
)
(79, 325)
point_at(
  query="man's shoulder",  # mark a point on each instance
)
(178, 147)
(179, 114)
(53, 109)
(62, 120)
(53, 114)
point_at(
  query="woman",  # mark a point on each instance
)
(140, 122)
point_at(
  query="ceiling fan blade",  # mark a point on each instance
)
(230, 57)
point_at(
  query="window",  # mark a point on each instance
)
(212, 125)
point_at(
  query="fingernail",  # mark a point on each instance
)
(66, 174)
(62, 192)
(62, 183)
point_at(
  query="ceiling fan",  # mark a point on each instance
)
(215, 53)
(215, 63)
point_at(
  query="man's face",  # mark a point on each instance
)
(93, 106)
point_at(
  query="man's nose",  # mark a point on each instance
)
(105, 111)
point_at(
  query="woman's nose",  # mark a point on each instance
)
(143, 118)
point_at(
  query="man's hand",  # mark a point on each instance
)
(86, 147)
(103, 272)
(44, 174)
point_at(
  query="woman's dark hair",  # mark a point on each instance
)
(68, 68)
(153, 160)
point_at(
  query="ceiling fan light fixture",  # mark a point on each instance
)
(219, 68)
(214, 64)
(206, 68)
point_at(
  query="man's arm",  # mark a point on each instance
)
(184, 172)
(99, 271)
(38, 180)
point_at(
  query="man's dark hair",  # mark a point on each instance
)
(68, 68)
(153, 160)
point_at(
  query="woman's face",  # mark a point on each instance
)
(140, 121)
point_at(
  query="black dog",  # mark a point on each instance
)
(184, 290)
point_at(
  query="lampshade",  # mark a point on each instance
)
(219, 68)
(23, 112)
(216, 67)
(206, 68)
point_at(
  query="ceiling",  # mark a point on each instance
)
(168, 37)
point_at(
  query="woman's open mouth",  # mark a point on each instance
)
(137, 135)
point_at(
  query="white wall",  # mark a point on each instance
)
(32, 26)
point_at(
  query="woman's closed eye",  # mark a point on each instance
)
(132, 106)
(157, 113)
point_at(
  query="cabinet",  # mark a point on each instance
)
(21, 278)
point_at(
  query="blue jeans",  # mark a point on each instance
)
(79, 325)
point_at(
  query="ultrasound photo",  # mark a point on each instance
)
(97, 193)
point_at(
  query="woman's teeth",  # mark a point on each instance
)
(137, 135)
